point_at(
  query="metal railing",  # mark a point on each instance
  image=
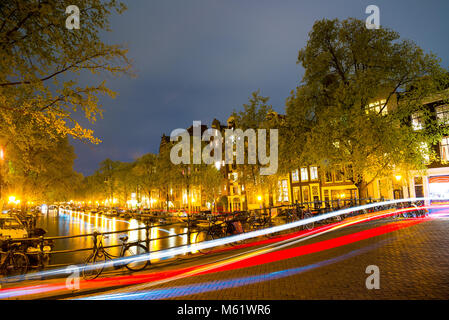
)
(190, 221)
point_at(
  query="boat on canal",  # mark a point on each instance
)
(12, 227)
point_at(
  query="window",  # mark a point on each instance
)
(305, 194)
(417, 122)
(442, 114)
(304, 174)
(296, 194)
(283, 191)
(419, 191)
(313, 173)
(326, 196)
(375, 107)
(444, 149)
(315, 193)
(295, 176)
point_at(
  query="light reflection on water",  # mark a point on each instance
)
(69, 223)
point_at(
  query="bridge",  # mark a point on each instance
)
(282, 261)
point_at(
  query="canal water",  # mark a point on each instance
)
(70, 223)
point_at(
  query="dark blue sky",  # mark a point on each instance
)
(201, 59)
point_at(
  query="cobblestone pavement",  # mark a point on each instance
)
(413, 264)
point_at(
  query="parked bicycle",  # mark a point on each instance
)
(95, 263)
(216, 229)
(300, 213)
(13, 262)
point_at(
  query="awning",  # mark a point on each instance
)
(439, 179)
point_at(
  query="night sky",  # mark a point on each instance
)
(201, 59)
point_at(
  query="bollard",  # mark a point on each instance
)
(147, 236)
(41, 252)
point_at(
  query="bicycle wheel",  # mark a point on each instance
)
(308, 226)
(409, 214)
(20, 264)
(94, 265)
(204, 236)
(134, 250)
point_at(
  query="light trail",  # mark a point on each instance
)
(266, 256)
(214, 267)
(218, 242)
(232, 283)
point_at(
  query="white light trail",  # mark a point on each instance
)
(219, 242)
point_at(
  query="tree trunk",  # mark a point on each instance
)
(362, 190)
(167, 199)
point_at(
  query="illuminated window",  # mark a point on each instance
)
(282, 191)
(375, 107)
(304, 174)
(313, 173)
(417, 122)
(442, 114)
(295, 175)
(444, 149)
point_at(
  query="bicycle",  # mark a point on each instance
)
(94, 264)
(217, 229)
(13, 262)
(301, 213)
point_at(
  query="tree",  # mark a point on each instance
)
(108, 170)
(126, 182)
(257, 114)
(41, 62)
(43, 173)
(168, 174)
(211, 181)
(358, 93)
(41, 98)
(145, 171)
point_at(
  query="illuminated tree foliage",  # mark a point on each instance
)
(347, 68)
(41, 62)
(44, 88)
(256, 114)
